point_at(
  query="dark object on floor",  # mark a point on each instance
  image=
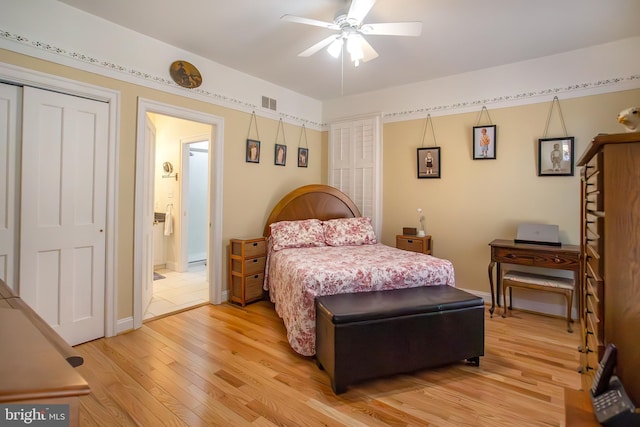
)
(157, 276)
(374, 334)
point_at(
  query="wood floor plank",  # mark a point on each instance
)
(229, 365)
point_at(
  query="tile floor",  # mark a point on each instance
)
(178, 291)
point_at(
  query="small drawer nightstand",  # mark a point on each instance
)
(414, 244)
(247, 259)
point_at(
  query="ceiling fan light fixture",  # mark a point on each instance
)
(355, 49)
(352, 30)
(335, 47)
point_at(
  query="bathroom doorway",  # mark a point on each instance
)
(145, 204)
(181, 200)
(181, 189)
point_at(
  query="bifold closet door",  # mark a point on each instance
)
(10, 108)
(63, 211)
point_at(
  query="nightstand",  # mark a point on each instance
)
(247, 259)
(415, 244)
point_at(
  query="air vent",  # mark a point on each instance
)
(269, 103)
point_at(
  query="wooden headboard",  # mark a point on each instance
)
(312, 201)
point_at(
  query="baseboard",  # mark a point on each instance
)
(124, 325)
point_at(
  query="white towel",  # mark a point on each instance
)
(168, 221)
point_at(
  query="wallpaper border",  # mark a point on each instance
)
(604, 85)
(621, 83)
(216, 98)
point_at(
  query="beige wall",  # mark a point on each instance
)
(249, 190)
(476, 201)
(473, 203)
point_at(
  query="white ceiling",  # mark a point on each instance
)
(458, 36)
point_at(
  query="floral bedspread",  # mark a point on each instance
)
(295, 276)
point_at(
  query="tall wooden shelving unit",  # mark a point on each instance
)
(610, 247)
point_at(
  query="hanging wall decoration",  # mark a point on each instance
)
(484, 138)
(280, 158)
(429, 160)
(555, 155)
(185, 74)
(303, 152)
(253, 145)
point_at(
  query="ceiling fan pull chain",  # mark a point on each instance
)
(484, 109)
(252, 120)
(424, 133)
(342, 72)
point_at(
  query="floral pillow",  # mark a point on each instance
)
(297, 234)
(349, 231)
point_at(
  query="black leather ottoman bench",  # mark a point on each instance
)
(374, 334)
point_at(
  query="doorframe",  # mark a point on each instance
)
(216, 144)
(13, 74)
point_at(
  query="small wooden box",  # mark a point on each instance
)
(408, 231)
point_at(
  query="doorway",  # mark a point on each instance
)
(159, 192)
(180, 216)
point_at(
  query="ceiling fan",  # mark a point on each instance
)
(351, 31)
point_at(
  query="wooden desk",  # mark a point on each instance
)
(10, 300)
(565, 257)
(32, 370)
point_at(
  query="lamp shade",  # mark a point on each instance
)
(354, 48)
(335, 47)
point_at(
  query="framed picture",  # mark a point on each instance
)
(303, 157)
(429, 162)
(484, 142)
(555, 156)
(185, 74)
(280, 155)
(253, 151)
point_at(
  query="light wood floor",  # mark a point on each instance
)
(231, 366)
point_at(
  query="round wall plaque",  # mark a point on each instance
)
(185, 74)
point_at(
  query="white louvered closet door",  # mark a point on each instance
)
(355, 164)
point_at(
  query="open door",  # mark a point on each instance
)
(148, 213)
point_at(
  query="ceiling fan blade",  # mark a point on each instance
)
(359, 9)
(318, 46)
(393, 29)
(307, 21)
(368, 52)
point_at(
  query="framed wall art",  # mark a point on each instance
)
(253, 151)
(484, 142)
(280, 155)
(303, 157)
(185, 74)
(555, 156)
(429, 162)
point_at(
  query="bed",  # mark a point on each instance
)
(319, 244)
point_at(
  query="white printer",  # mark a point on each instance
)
(540, 234)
